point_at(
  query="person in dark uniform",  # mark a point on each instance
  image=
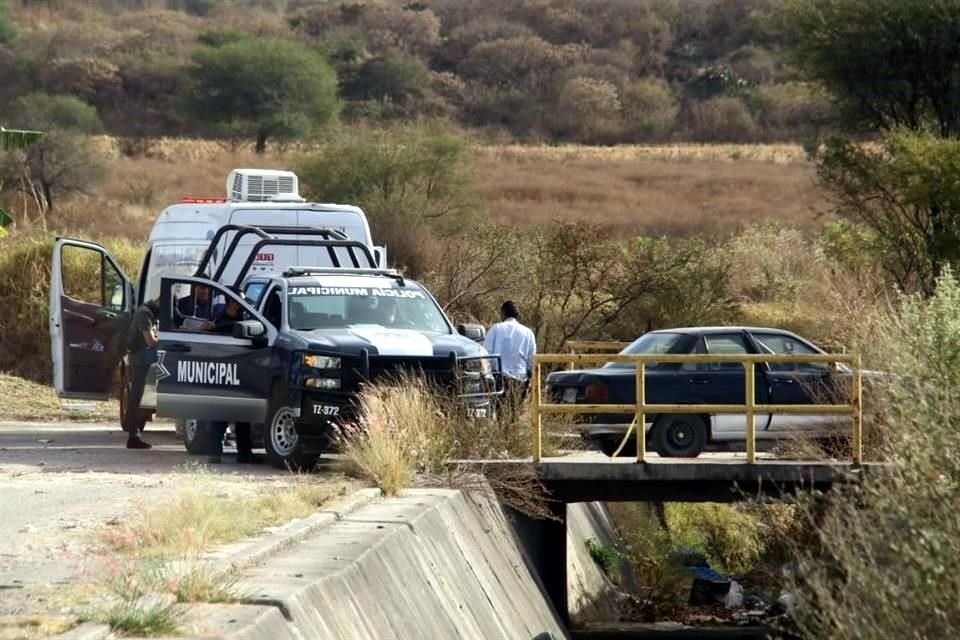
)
(232, 313)
(142, 346)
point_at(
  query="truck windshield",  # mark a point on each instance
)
(342, 307)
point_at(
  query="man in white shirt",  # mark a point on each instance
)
(516, 345)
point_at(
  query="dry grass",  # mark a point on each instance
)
(155, 559)
(676, 189)
(202, 516)
(652, 195)
(20, 627)
(26, 400)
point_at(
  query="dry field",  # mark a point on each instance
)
(667, 189)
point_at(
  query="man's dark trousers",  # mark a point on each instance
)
(140, 366)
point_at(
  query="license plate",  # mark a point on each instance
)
(570, 395)
(476, 412)
(327, 410)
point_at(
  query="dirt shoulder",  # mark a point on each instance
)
(62, 485)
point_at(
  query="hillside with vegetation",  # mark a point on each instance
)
(588, 71)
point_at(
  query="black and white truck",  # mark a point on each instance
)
(307, 341)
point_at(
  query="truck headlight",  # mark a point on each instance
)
(328, 384)
(321, 362)
(478, 365)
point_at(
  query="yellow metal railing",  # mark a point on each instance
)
(640, 408)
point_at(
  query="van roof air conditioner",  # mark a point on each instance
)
(263, 185)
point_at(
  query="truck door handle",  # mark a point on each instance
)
(178, 348)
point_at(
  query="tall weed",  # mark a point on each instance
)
(887, 554)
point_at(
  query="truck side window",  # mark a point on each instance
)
(253, 291)
(273, 308)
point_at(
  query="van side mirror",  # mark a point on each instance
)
(476, 332)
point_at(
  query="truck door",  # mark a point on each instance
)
(91, 303)
(205, 374)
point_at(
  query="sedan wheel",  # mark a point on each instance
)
(679, 436)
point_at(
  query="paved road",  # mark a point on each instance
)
(62, 483)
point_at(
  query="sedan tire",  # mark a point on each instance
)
(679, 436)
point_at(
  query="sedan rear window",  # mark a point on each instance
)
(649, 343)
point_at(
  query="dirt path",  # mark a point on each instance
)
(62, 483)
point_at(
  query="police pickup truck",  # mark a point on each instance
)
(303, 345)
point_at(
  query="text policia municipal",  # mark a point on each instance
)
(354, 291)
(217, 373)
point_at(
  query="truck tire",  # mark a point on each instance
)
(283, 445)
(195, 435)
(679, 436)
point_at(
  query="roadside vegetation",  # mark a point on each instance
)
(849, 237)
(154, 561)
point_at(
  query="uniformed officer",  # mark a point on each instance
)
(232, 313)
(142, 346)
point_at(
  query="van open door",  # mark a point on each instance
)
(380, 255)
(91, 303)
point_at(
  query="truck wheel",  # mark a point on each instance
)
(679, 436)
(195, 435)
(283, 445)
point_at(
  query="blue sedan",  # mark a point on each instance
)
(686, 435)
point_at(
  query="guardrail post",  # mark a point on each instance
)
(750, 371)
(857, 402)
(641, 416)
(535, 414)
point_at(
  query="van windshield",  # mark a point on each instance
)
(342, 307)
(166, 262)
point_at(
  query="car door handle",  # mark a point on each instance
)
(698, 381)
(784, 381)
(178, 348)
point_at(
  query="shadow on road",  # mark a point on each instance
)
(102, 448)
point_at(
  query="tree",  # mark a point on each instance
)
(61, 161)
(908, 192)
(263, 88)
(7, 30)
(411, 183)
(894, 67)
(888, 63)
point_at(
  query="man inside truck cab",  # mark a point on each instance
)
(197, 305)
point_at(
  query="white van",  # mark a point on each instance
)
(180, 238)
(258, 198)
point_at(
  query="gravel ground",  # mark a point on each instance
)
(61, 483)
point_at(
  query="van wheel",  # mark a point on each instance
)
(195, 435)
(283, 445)
(679, 436)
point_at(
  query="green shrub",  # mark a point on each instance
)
(888, 553)
(411, 182)
(24, 288)
(728, 535)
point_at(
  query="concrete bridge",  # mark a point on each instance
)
(712, 477)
